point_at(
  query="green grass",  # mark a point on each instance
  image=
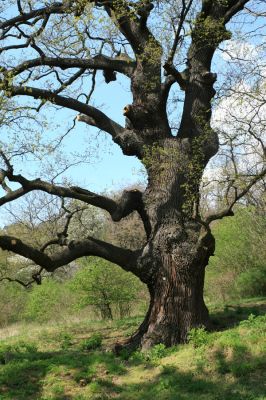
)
(228, 314)
(52, 363)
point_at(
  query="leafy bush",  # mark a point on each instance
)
(153, 355)
(238, 268)
(20, 350)
(198, 337)
(157, 352)
(66, 340)
(94, 342)
(106, 287)
(257, 322)
(252, 283)
(48, 301)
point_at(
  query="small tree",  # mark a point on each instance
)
(103, 285)
(238, 268)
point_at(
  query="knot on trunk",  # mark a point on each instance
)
(130, 200)
(109, 75)
(138, 115)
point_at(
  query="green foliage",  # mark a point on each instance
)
(252, 283)
(66, 340)
(105, 286)
(157, 352)
(94, 342)
(238, 268)
(47, 301)
(210, 31)
(258, 322)
(198, 337)
(10, 353)
(235, 348)
(153, 355)
(109, 291)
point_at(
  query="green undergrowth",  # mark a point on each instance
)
(76, 362)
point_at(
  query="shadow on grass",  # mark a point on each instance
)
(23, 375)
(238, 361)
(171, 384)
(221, 373)
(22, 378)
(231, 315)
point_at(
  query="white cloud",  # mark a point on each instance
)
(238, 50)
(240, 118)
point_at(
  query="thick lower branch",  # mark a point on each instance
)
(131, 200)
(89, 247)
(72, 192)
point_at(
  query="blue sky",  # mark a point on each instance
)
(108, 167)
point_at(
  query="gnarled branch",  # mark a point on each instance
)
(99, 62)
(56, 8)
(228, 211)
(76, 249)
(234, 6)
(128, 140)
(130, 200)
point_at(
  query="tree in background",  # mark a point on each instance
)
(106, 287)
(238, 268)
(94, 284)
(44, 222)
(52, 49)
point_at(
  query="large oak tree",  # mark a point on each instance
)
(157, 46)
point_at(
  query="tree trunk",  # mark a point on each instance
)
(124, 309)
(105, 310)
(179, 244)
(176, 291)
(105, 307)
(177, 304)
(173, 262)
(176, 281)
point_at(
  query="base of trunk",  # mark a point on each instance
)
(171, 315)
(176, 288)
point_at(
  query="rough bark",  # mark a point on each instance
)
(173, 262)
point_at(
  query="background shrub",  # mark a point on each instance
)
(238, 268)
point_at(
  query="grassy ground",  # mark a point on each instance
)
(57, 362)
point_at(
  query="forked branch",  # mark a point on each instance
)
(76, 249)
(130, 200)
(99, 62)
(228, 211)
